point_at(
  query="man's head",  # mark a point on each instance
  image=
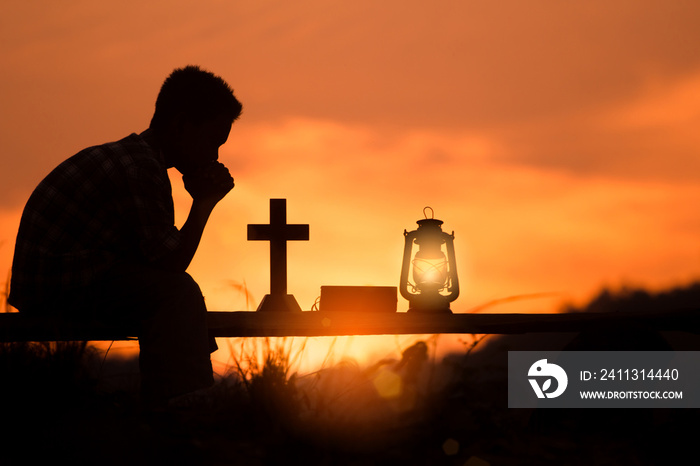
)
(194, 113)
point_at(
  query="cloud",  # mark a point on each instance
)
(651, 135)
(534, 75)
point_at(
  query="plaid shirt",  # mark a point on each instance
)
(104, 205)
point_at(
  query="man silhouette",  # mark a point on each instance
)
(97, 240)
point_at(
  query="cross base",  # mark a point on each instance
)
(279, 303)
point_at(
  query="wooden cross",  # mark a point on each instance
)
(278, 233)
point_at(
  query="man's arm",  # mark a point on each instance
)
(207, 187)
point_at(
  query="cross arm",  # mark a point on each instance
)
(294, 232)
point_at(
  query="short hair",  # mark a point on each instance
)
(197, 93)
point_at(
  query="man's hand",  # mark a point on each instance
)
(209, 184)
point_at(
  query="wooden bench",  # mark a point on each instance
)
(16, 327)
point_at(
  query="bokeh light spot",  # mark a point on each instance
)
(476, 461)
(387, 383)
(450, 447)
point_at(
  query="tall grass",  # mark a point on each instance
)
(340, 408)
(37, 372)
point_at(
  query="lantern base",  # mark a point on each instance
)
(279, 303)
(429, 304)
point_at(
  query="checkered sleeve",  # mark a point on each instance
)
(150, 207)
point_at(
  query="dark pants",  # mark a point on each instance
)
(168, 311)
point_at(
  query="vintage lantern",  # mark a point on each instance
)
(433, 269)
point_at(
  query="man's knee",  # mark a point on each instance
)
(150, 289)
(183, 284)
(180, 289)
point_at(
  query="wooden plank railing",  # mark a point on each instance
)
(18, 327)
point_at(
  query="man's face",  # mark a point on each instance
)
(197, 145)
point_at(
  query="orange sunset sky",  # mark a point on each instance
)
(560, 141)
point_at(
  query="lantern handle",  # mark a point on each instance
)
(432, 212)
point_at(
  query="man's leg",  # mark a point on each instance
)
(174, 340)
(169, 310)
